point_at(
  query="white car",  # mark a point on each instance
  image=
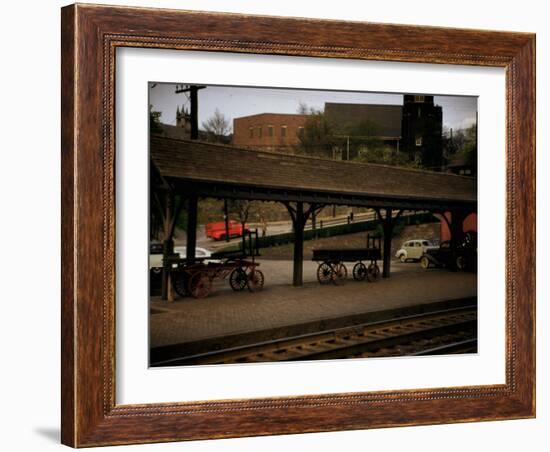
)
(414, 249)
(155, 256)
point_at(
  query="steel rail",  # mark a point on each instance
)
(342, 342)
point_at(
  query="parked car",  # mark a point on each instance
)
(463, 257)
(156, 252)
(217, 230)
(199, 253)
(414, 249)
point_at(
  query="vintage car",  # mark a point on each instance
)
(156, 250)
(217, 230)
(463, 257)
(414, 249)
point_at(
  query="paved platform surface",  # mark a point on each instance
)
(226, 312)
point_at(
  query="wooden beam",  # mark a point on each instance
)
(192, 213)
(286, 196)
(168, 243)
(299, 223)
(387, 227)
(226, 220)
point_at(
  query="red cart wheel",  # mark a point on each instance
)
(340, 274)
(200, 285)
(255, 280)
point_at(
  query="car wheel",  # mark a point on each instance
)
(403, 258)
(461, 263)
(424, 262)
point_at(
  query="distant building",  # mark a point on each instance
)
(268, 131)
(379, 121)
(182, 129)
(175, 132)
(414, 127)
(183, 120)
(422, 131)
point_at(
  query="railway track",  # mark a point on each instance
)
(441, 332)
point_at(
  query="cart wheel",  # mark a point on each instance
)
(200, 285)
(373, 273)
(180, 284)
(340, 274)
(424, 262)
(255, 280)
(237, 279)
(324, 273)
(359, 271)
(461, 263)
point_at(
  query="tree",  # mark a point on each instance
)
(316, 137)
(217, 126)
(461, 147)
(154, 120)
(376, 151)
(242, 208)
(303, 109)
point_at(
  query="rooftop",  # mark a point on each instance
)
(386, 118)
(199, 162)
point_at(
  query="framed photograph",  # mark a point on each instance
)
(281, 225)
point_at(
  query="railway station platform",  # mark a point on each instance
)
(228, 319)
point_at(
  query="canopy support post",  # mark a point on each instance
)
(192, 213)
(388, 223)
(299, 219)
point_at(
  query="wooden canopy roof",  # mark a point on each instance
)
(225, 171)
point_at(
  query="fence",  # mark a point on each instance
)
(341, 229)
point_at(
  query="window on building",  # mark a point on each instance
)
(270, 131)
(260, 132)
(419, 98)
(283, 131)
(251, 132)
(418, 140)
(300, 131)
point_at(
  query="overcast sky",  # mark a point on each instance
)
(234, 102)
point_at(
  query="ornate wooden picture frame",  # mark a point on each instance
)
(90, 37)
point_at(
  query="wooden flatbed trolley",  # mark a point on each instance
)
(332, 269)
(196, 279)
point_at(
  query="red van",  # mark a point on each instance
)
(216, 230)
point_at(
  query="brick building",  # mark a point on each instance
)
(414, 127)
(268, 131)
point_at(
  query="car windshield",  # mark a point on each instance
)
(155, 248)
